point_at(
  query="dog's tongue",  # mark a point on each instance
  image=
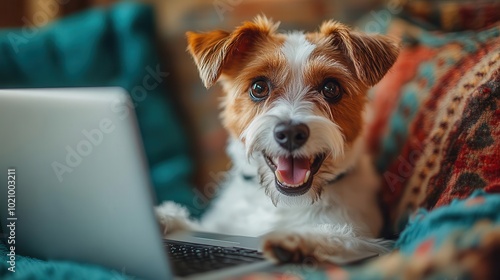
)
(292, 171)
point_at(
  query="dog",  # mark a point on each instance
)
(294, 106)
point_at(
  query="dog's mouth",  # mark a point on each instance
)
(294, 175)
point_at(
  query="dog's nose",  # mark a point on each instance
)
(291, 136)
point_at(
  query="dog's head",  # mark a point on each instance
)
(294, 100)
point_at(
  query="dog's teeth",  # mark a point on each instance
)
(307, 176)
(282, 181)
(278, 176)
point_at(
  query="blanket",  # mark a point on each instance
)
(435, 133)
(456, 241)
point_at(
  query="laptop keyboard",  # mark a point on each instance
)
(190, 258)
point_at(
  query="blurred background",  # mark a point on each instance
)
(197, 106)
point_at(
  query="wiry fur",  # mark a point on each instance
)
(334, 218)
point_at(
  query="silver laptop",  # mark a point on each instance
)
(73, 171)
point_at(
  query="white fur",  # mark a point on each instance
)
(330, 221)
(297, 50)
(324, 136)
(341, 224)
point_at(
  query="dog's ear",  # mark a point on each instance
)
(214, 51)
(371, 55)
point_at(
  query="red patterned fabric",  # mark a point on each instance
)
(436, 131)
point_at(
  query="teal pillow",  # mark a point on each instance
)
(108, 47)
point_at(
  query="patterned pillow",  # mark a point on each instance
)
(436, 131)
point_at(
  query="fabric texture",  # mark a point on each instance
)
(456, 241)
(102, 47)
(435, 133)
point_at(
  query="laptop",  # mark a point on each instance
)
(74, 172)
(74, 175)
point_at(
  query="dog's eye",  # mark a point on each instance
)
(259, 90)
(331, 91)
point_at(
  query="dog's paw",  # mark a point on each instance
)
(172, 217)
(286, 247)
(324, 244)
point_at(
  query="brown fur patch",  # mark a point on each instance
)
(213, 50)
(325, 63)
(371, 56)
(239, 109)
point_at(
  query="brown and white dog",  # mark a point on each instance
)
(294, 106)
